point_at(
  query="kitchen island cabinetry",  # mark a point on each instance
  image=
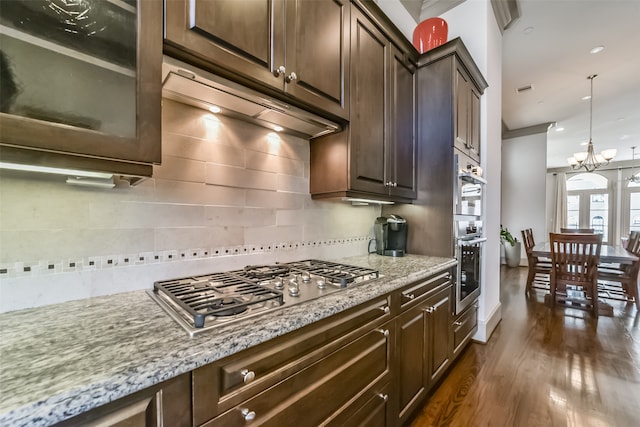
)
(83, 92)
(292, 47)
(375, 156)
(423, 341)
(167, 404)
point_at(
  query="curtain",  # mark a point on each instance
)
(560, 205)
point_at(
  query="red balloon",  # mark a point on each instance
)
(430, 33)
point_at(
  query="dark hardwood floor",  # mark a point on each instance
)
(544, 367)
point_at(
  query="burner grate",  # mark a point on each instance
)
(334, 272)
(220, 294)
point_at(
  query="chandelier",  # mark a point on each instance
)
(635, 176)
(588, 159)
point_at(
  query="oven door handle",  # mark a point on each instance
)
(472, 242)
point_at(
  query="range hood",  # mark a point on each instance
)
(189, 85)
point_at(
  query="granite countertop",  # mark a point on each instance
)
(61, 360)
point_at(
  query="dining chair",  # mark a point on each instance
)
(539, 268)
(577, 230)
(574, 268)
(626, 275)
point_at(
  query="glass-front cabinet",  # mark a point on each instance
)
(81, 84)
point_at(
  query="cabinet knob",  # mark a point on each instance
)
(247, 376)
(394, 184)
(291, 77)
(409, 296)
(385, 309)
(279, 71)
(383, 396)
(247, 414)
(384, 332)
(430, 309)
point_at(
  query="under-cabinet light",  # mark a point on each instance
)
(91, 182)
(57, 171)
(363, 202)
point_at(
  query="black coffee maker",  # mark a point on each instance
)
(390, 232)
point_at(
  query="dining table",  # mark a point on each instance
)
(609, 254)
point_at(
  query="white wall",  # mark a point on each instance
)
(474, 22)
(227, 194)
(524, 188)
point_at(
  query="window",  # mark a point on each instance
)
(589, 198)
(630, 207)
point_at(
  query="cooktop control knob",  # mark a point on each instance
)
(306, 277)
(294, 291)
(321, 283)
(278, 284)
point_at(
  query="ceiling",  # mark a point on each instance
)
(548, 47)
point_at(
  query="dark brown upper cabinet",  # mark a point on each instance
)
(294, 49)
(450, 107)
(82, 93)
(374, 157)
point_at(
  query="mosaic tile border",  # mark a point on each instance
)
(46, 267)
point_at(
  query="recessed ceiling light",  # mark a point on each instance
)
(528, 30)
(278, 128)
(597, 49)
(214, 109)
(584, 143)
(559, 129)
(586, 98)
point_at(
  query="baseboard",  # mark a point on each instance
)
(486, 327)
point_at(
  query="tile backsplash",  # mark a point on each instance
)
(227, 194)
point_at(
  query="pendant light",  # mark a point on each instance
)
(589, 160)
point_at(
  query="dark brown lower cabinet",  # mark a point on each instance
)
(423, 350)
(166, 404)
(371, 365)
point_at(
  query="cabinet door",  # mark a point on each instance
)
(244, 37)
(411, 341)
(89, 88)
(402, 159)
(462, 94)
(438, 309)
(317, 54)
(474, 124)
(369, 114)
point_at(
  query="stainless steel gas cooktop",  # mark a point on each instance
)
(201, 303)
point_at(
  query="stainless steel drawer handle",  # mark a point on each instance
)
(384, 332)
(385, 309)
(247, 376)
(458, 323)
(247, 414)
(384, 397)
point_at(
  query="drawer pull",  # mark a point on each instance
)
(458, 323)
(384, 332)
(384, 397)
(430, 309)
(247, 414)
(409, 296)
(385, 309)
(247, 376)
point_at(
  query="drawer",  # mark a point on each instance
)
(417, 292)
(464, 326)
(223, 384)
(315, 393)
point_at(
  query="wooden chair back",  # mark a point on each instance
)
(574, 262)
(527, 239)
(577, 230)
